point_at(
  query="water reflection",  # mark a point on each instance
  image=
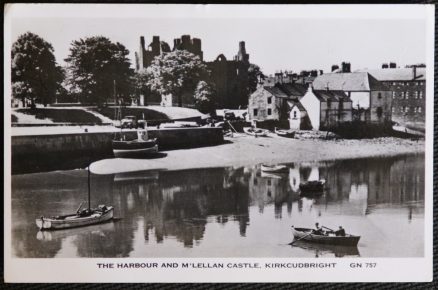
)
(191, 212)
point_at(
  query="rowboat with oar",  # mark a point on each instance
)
(285, 133)
(309, 235)
(256, 132)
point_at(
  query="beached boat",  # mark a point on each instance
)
(255, 131)
(141, 145)
(274, 168)
(312, 186)
(285, 133)
(80, 218)
(179, 124)
(305, 234)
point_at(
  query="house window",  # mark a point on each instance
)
(269, 182)
(415, 109)
(407, 109)
(269, 111)
(393, 109)
(255, 112)
(393, 95)
(379, 95)
(270, 100)
(295, 114)
(416, 95)
(420, 95)
(404, 95)
(403, 109)
(407, 95)
(379, 112)
(394, 83)
(419, 110)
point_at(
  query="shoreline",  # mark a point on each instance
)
(243, 150)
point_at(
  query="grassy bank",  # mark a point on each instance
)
(149, 115)
(61, 115)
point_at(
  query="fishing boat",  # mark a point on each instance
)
(139, 146)
(85, 217)
(312, 186)
(285, 133)
(274, 168)
(256, 132)
(308, 235)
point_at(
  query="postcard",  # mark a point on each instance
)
(218, 143)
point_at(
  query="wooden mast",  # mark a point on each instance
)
(89, 206)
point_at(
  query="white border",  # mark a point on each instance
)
(85, 269)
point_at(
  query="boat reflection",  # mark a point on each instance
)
(322, 250)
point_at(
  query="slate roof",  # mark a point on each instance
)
(335, 96)
(287, 90)
(356, 81)
(397, 74)
(297, 104)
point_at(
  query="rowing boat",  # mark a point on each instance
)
(82, 218)
(255, 131)
(285, 133)
(274, 168)
(312, 186)
(305, 234)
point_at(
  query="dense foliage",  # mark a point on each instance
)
(35, 73)
(99, 70)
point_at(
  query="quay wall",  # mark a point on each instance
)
(36, 153)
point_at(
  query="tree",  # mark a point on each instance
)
(98, 68)
(205, 97)
(35, 73)
(254, 73)
(176, 73)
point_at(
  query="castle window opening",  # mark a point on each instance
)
(269, 111)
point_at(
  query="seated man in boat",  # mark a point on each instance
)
(318, 230)
(340, 232)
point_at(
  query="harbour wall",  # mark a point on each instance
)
(37, 153)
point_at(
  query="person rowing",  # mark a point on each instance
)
(318, 230)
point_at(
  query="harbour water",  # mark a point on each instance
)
(227, 212)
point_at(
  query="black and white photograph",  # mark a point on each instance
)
(166, 143)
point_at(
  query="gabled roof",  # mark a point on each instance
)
(334, 96)
(397, 74)
(296, 104)
(293, 89)
(356, 81)
(276, 91)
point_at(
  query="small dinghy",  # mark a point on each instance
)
(309, 235)
(285, 133)
(85, 217)
(275, 168)
(312, 186)
(256, 132)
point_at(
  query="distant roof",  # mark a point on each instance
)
(397, 74)
(293, 89)
(324, 95)
(287, 90)
(356, 81)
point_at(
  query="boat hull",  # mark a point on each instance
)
(286, 134)
(255, 132)
(73, 220)
(275, 169)
(305, 235)
(125, 148)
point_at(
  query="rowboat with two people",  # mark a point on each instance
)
(274, 168)
(85, 217)
(256, 132)
(321, 236)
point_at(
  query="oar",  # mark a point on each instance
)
(80, 206)
(300, 238)
(328, 228)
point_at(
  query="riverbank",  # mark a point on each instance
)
(242, 150)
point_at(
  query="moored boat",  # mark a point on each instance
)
(312, 186)
(274, 168)
(257, 132)
(82, 218)
(285, 133)
(308, 235)
(141, 145)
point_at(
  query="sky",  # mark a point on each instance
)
(283, 43)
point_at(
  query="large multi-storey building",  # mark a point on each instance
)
(408, 91)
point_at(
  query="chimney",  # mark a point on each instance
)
(327, 87)
(278, 77)
(392, 65)
(335, 67)
(414, 71)
(385, 66)
(346, 67)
